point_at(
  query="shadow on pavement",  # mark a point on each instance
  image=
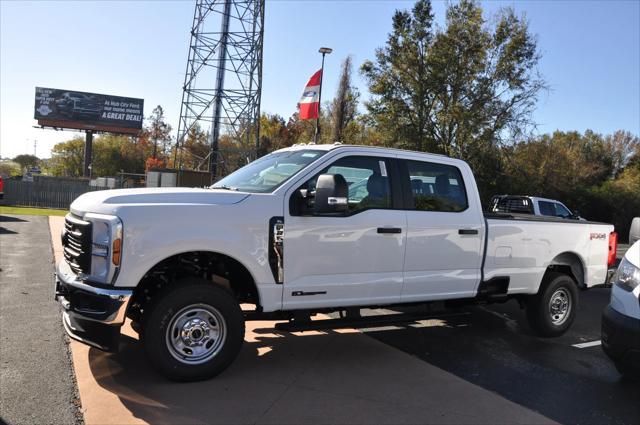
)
(4, 231)
(5, 218)
(494, 348)
(264, 368)
(335, 376)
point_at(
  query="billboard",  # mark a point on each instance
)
(88, 111)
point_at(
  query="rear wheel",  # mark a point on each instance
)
(194, 331)
(553, 309)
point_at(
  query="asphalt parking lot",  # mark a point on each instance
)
(471, 365)
(567, 379)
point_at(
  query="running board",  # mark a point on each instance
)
(358, 322)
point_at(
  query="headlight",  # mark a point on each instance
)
(106, 247)
(627, 276)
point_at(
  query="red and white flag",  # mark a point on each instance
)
(309, 101)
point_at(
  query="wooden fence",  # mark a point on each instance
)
(46, 193)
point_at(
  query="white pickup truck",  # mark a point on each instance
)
(309, 229)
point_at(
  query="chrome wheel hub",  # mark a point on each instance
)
(196, 334)
(560, 306)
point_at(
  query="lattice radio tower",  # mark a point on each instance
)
(223, 79)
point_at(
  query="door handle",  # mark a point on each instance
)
(467, 231)
(389, 230)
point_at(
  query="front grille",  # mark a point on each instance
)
(76, 243)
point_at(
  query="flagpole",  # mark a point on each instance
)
(324, 51)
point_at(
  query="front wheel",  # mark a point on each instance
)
(194, 331)
(553, 309)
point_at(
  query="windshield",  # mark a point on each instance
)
(267, 173)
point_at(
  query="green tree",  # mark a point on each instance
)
(26, 160)
(461, 90)
(67, 158)
(113, 154)
(9, 168)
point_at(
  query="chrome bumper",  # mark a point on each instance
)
(92, 315)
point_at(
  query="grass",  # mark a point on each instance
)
(31, 211)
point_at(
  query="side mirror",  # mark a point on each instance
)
(634, 231)
(332, 194)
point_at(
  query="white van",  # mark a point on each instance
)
(621, 318)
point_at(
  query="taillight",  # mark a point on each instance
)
(613, 248)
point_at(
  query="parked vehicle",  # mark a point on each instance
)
(634, 231)
(1, 188)
(298, 232)
(621, 318)
(531, 205)
(74, 105)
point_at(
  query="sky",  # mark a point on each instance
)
(590, 56)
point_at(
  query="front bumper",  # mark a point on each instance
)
(621, 338)
(92, 315)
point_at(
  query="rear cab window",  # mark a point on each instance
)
(512, 204)
(436, 187)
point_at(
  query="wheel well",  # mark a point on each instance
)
(569, 264)
(217, 268)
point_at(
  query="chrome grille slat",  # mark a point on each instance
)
(77, 244)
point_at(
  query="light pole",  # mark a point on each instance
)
(324, 51)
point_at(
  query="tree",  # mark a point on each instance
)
(67, 158)
(274, 134)
(111, 155)
(9, 169)
(195, 149)
(26, 161)
(461, 90)
(621, 147)
(345, 104)
(158, 131)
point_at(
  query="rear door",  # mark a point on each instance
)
(444, 232)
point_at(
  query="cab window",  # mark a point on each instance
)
(436, 187)
(553, 209)
(368, 180)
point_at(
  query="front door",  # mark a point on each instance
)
(355, 258)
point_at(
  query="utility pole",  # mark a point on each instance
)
(88, 148)
(324, 51)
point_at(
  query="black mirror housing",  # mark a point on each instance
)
(332, 194)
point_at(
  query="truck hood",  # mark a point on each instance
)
(107, 201)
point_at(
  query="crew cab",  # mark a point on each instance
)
(308, 229)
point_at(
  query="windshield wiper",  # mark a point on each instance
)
(225, 188)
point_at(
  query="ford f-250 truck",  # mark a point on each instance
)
(309, 229)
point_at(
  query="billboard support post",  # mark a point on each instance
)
(88, 150)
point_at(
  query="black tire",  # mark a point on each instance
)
(193, 308)
(556, 288)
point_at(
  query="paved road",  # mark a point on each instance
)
(493, 348)
(36, 378)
